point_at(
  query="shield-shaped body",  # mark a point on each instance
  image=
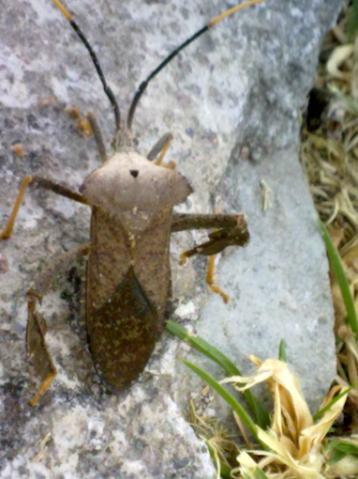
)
(128, 271)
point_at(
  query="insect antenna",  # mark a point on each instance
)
(214, 21)
(108, 91)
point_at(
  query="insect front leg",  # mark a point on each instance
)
(159, 150)
(230, 230)
(36, 325)
(97, 136)
(28, 180)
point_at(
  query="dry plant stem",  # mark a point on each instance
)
(330, 156)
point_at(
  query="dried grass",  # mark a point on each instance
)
(330, 157)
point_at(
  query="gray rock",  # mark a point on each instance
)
(233, 102)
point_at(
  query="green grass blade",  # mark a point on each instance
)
(282, 351)
(339, 449)
(339, 272)
(203, 347)
(335, 456)
(326, 408)
(345, 447)
(259, 474)
(226, 395)
(257, 409)
(352, 21)
(225, 470)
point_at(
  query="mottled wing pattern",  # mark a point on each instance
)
(125, 332)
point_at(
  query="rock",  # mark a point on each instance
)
(232, 101)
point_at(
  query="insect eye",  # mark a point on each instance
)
(134, 173)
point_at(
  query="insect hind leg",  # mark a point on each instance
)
(230, 230)
(36, 325)
(211, 282)
(36, 347)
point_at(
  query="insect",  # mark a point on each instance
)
(128, 274)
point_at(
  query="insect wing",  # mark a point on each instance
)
(124, 331)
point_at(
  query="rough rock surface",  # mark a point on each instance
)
(233, 102)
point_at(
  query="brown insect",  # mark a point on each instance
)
(128, 273)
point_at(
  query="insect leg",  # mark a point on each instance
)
(182, 222)
(230, 230)
(210, 280)
(28, 180)
(36, 325)
(98, 136)
(160, 149)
